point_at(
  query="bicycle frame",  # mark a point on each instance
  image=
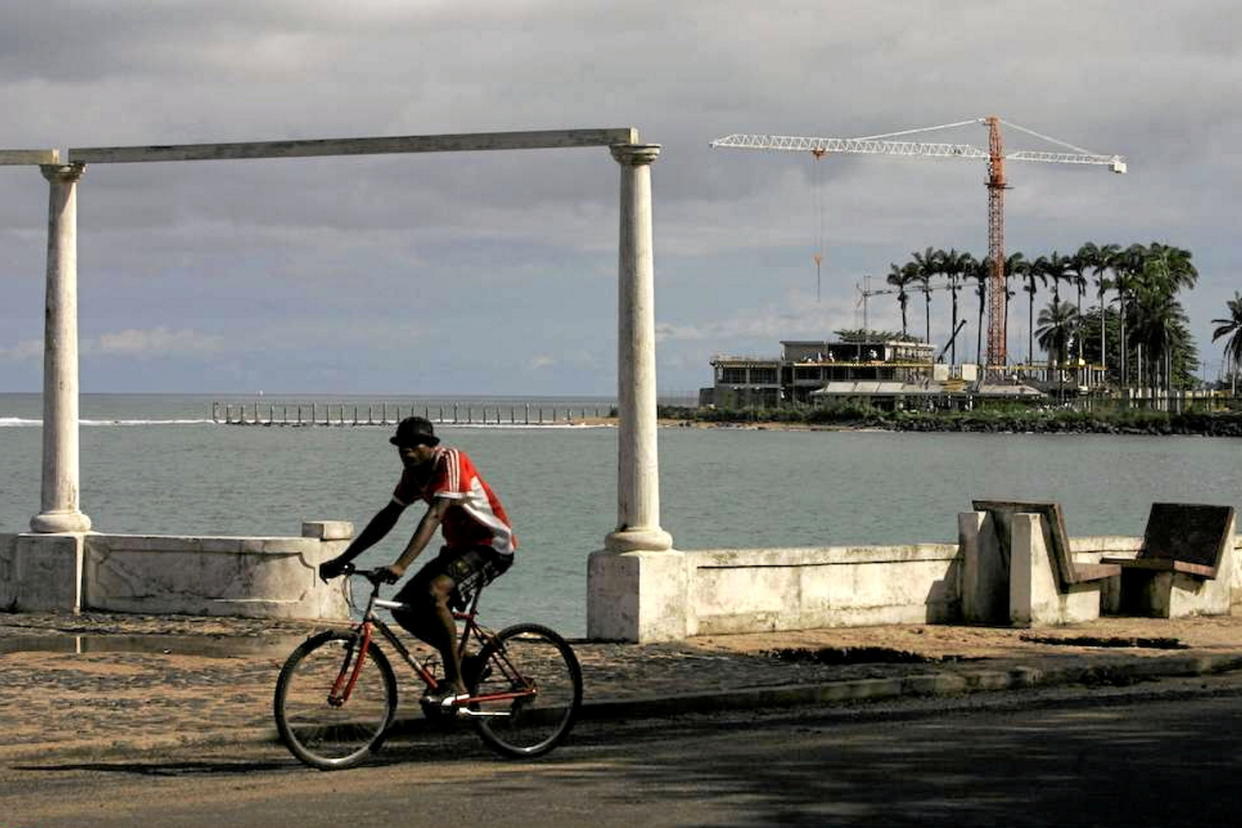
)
(351, 666)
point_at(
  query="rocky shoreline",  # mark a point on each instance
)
(1051, 421)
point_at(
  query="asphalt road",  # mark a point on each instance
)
(1159, 754)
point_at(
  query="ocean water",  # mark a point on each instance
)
(158, 464)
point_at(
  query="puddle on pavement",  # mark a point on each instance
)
(1121, 642)
(191, 645)
(860, 655)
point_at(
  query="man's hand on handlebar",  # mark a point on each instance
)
(334, 568)
(389, 574)
(382, 575)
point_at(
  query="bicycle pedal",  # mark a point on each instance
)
(445, 701)
(453, 701)
(435, 713)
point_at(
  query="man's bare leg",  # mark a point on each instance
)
(436, 626)
(442, 588)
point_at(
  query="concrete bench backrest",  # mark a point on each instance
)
(1002, 512)
(1067, 571)
(1191, 534)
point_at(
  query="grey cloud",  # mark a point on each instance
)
(530, 237)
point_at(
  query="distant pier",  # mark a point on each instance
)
(381, 414)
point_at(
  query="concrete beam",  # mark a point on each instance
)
(25, 157)
(465, 142)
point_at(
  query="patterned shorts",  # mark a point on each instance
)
(471, 569)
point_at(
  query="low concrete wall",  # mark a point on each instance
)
(748, 590)
(258, 577)
(682, 593)
(668, 595)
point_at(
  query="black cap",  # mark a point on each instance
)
(413, 431)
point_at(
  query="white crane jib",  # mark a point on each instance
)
(994, 155)
(879, 145)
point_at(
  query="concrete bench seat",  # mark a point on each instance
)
(1019, 568)
(1185, 547)
(1091, 572)
(1197, 570)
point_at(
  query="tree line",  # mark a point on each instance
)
(1137, 329)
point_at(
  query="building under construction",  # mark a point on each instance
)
(887, 374)
(806, 367)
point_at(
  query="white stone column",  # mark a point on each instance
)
(59, 503)
(637, 585)
(638, 467)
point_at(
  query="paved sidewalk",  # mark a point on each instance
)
(105, 682)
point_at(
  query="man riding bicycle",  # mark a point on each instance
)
(479, 542)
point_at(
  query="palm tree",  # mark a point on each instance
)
(955, 265)
(1126, 267)
(1056, 327)
(1056, 270)
(1231, 327)
(1035, 272)
(1015, 265)
(926, 265)
(980, 270)
(1085, 258)
(1160, 273)
(900, 278)
(1101, 260)
(1077, 276)
(1159, 325)
(1088, 329)
(1168, 268)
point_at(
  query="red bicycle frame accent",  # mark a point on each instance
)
(337, 696)
(347, 678)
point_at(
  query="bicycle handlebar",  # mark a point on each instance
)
(377, 576)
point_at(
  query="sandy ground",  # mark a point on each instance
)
(107, 679)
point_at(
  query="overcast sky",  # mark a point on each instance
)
(496, 273)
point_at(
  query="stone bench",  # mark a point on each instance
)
(1185, 564)
(1018, 567)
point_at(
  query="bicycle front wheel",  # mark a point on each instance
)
(331, 734)
(528, 691)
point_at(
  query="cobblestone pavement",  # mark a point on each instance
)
(112, 679)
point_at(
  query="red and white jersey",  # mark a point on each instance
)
(475, 517)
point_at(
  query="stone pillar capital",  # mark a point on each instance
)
(67, 173)
(635, 155)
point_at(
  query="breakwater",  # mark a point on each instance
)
(380, 414)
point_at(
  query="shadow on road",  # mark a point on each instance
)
(161, 768)
(440, 748)
(1153, 763)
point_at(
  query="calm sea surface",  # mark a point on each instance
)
(157, 464)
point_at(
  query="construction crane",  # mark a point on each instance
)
(996, 184)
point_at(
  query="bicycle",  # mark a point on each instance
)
(336, 696)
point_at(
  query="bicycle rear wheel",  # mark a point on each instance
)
(333, 736)
(534, 683)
